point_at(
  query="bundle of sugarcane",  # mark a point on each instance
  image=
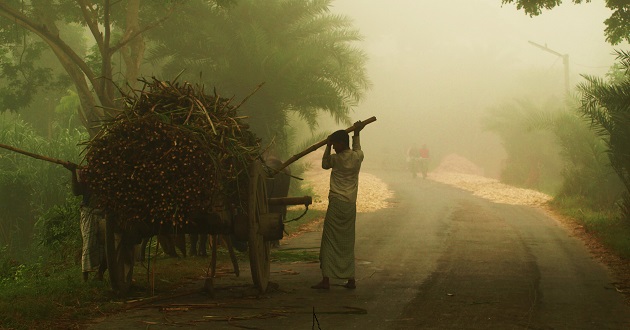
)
(172, 152)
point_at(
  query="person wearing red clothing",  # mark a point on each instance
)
(424, 160)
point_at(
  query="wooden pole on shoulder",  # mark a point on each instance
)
(318, 145)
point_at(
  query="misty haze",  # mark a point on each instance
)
(337, 164)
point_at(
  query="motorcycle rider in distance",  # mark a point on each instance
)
(418, 159)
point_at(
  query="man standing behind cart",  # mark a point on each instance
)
(337, 247)
(92, 227)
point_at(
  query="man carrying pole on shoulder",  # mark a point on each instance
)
(337, 246)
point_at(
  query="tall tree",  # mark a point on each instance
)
(532, 161)
(31, 77)
(306, 56)
(115, 26)
(617, 25)
(605, 103)
(586, 171)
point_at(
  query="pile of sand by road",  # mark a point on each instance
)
(373, 192)
(459, 172)
(491, 189)
(454, 163)
(454, 170)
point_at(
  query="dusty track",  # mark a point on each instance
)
(434, 257)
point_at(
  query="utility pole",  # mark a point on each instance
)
(565, 61)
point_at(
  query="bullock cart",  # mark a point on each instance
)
(255, 224)
(175, 160)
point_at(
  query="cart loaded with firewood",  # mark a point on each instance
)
(176, 160)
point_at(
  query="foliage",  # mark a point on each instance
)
(296, 226)
(298, 168)
(561, 142)
(22, 76)
(308, 60)
(45, 297)
(605, 224)
(32, 77)
(66, 110)
(115, 27)
(606, 104)
(617, 27)
(7, 263)
(532, 157)
(294, 256)
(586, 170)
(58, 232)
(30, 187)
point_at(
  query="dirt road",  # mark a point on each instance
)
(440, 258)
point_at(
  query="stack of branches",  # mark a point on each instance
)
(172, 153)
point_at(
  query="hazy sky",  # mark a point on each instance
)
(437, 65)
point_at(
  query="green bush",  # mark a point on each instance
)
(32, 187)
(532, 155)
(58, 233)
(605, 103)
(606, 224)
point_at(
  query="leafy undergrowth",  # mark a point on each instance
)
(44, 297)
(605, 225)
(58, 300)
(294, 256)
(294, 224)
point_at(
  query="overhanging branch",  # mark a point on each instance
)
(52, 40)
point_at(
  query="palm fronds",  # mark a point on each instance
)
(607, 105)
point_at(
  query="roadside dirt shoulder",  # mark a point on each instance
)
(493, 190)
(619, 267)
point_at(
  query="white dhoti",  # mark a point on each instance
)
(93, 234)
(336, 254)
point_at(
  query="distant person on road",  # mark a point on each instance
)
(424, 160)
(336, 254)
(92, 223)
(413, 159)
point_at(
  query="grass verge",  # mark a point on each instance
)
(605, 225)
(294, 256)
(52, 300)
(55, 297)
(292, 226)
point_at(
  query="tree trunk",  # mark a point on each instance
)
(133, 52)
(91, 113)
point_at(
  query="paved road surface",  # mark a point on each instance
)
(440, 259)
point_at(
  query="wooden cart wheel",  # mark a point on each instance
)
(258, 248)
(119, 251)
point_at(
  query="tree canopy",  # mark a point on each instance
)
(617, 26)
(308, 60)
(116, 27)
(605, 103)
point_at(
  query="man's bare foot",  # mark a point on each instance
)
(351, 284)
(321, 285)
